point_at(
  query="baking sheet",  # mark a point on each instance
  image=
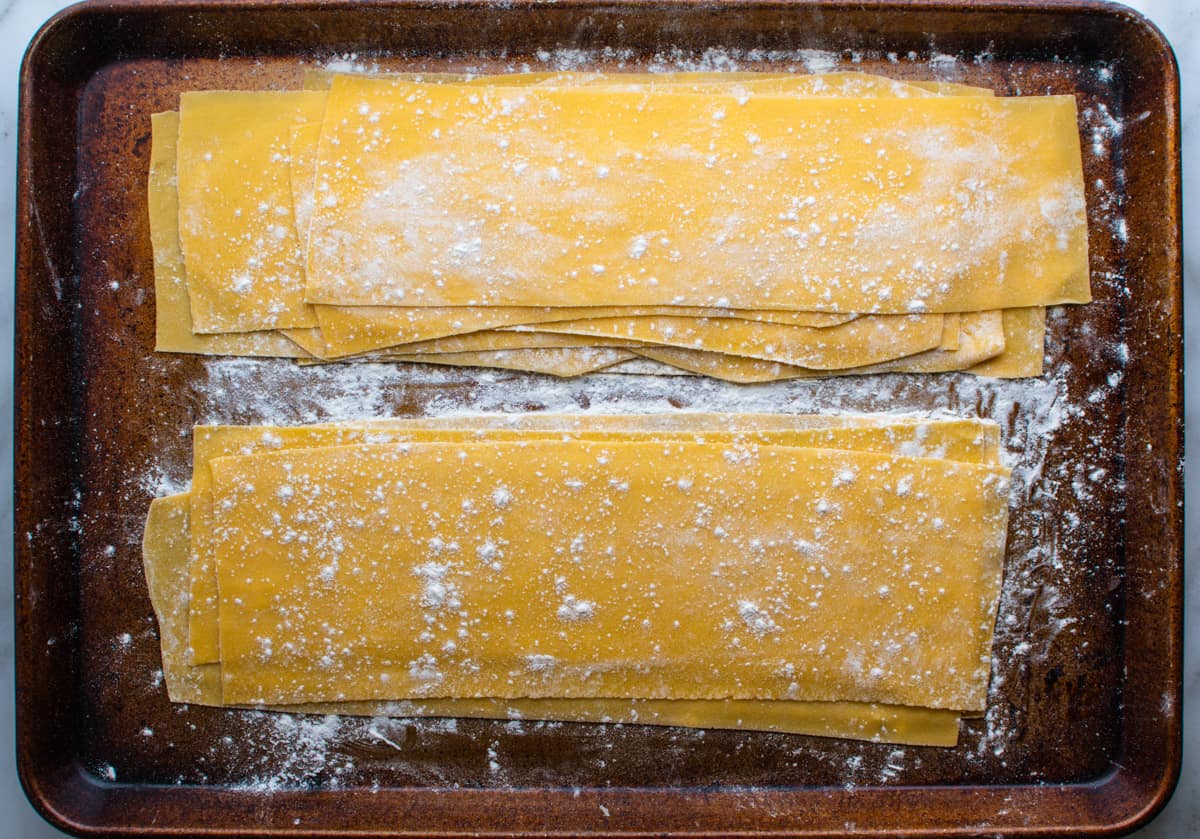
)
(1083, 720)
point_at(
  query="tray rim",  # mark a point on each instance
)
(68, 795)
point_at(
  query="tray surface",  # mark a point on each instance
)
(1082, 729)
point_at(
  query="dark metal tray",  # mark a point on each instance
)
(1082, 735)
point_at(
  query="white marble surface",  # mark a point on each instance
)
(1179, 19)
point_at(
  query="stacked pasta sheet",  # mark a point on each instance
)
(747, 226)
(827, 575)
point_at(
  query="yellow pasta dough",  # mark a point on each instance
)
(237, 232)
(600, 569)
(1024, 346)
(866, 340)
(309, 340)
(549, 361)
(172, 310)
(346, 330)
(350, 330)
(972, 441)
(267, 146)
(379, 327)
(165, 558)
(981, 337)
(1007, 344)
(968, 441)
(951, 327)
(928, 204)
(487, 339)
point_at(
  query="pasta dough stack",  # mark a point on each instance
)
(834, 576)
(744, 226)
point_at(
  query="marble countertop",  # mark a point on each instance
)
(1179, 19)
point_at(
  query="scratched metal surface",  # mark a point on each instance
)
(1085, 683)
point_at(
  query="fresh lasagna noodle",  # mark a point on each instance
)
(983, 210)
(552, 569)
